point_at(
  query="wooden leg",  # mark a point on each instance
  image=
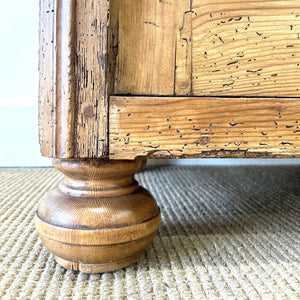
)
(98, 219)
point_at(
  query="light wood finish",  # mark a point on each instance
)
(183, 52)
(147, 39)
(203, 127)
(98, 219)
(46, 78)
(165, 48)
(56, 66)
(205, 47)
(246, 48)
(96, 55)
(73, 79)
(91, 78)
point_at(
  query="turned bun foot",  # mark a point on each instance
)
(99, 219)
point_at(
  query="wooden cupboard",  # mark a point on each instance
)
(126, 80)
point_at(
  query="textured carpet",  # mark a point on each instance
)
(226, 233)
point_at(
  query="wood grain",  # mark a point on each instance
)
(148, 38)
(246, 48)
(166, 127)
(99, 219)
(183, 52)
(46, 77)
(73, 79)
(65, 79)
(56, 67)
(91, 78)
(154, 47)
(200, 48)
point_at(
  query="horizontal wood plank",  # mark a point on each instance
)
(246, 48)
(178, 127)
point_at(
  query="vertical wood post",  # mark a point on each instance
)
(73, 78)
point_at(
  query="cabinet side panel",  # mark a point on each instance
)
(65, 78)
(246, 48)
(47, 80)
(91, 78)
(56, 86)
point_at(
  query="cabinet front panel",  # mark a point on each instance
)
(148, 38)
(91, 49)
(246, 48)
(205, 47)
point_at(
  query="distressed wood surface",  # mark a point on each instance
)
(155, 47)
(73, 80)
(65, 79)
(205, 47)
(148, 39)
(46, 78)
(91, 52)
(247, 48)
(165, 127)
(183, 54)
(55, 67)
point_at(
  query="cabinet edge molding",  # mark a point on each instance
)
(72, 78)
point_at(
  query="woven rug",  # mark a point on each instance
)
(226, 233)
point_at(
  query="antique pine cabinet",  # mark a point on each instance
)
(126, 80)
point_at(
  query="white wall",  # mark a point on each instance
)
(19, 84)
(18, 92)
(19, 137)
